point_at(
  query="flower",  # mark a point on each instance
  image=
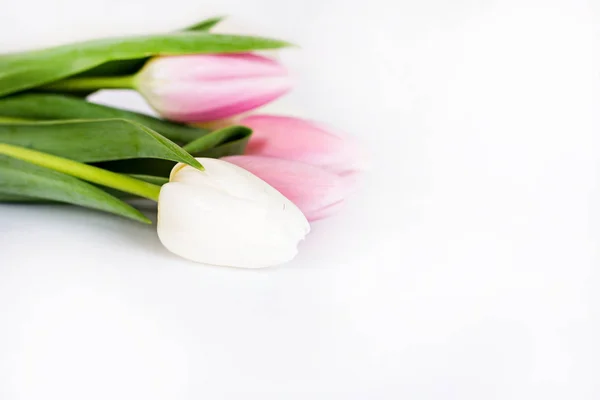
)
(226, 216)
(302, 140)
(313, 166)
(206, 87)
(317, 192)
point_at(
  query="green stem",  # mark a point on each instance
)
(91, 83)
(83, 171)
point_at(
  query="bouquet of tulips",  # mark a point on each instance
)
(233, 188)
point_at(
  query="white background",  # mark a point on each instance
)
(466, 268)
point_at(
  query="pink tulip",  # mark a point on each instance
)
(302, 140)
(316, 192)
(206, 87)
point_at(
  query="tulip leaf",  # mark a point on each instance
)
(27, 70)
(204, 25)
(20, 181)
(50, 106)
(228, 141)
(9, 198)
(230, 134)
(94, 140)
(112, 68)
(231, 148)
(156, 180)
(109, 179)
(130, 67)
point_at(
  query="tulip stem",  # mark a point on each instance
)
(91, 83)
(83, 171)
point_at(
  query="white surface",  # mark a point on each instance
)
(467, 268)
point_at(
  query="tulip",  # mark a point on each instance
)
(306, 141)
(317, 193)
(196, 88)
(206, 87)
(227, 216)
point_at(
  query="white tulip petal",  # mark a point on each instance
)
(227, 216)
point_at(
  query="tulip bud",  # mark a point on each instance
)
(207, 87)
(302, 140)
(318, 193)
(226, 216)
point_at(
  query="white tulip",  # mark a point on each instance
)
(227, 216)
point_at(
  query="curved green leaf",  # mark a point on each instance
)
(94, 140)
(20, 180)
(21, 71)
(50, 106)
(231, 134)
(204, 25)
(90, 173)
(130, 67)
(156, 180)
(10, 198)
(228, 141)
(113, 68)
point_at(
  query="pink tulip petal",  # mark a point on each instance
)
(202, 67)
(318, 193)
(215, 100)
(207, 87)
(327, 211)
(306, 141)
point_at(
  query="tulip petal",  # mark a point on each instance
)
(314, 190)
(200, 88)
(306, 141)
(201, 67)
(225, 215)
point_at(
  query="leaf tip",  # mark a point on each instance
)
(286, 44)
(146, 220)
(196, 164)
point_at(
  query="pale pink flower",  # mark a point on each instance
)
(316, 192)
(207, 87)
(298, 139)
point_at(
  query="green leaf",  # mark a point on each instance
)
(115, 68)
(204, 25)
(20, 180)
(157, 180)
(21, 71)
(94, 140)
(228, 141)
(228, 135)
(50, 106)
(130, 67)
(9, 198)
(233, 148)
(86, 172)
